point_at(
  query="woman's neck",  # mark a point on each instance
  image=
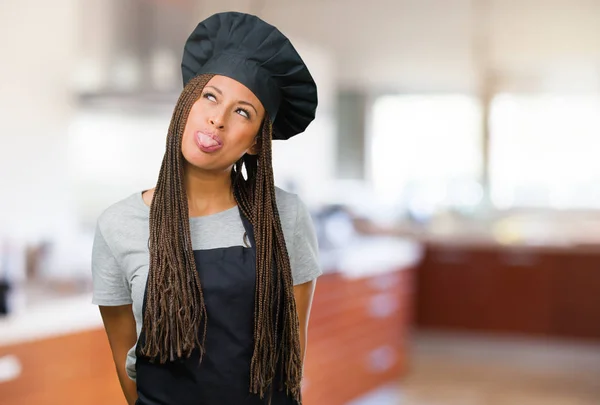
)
(208, 192)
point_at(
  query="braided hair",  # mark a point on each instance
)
(175, 315)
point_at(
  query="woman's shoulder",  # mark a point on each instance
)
(285, 199)
(123, 213)
(291, 209)
(287, 202)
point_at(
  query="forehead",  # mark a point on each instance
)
(230, 86)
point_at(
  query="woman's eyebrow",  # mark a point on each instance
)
(216, 89)
(250, 104)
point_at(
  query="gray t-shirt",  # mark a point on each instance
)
(120, 256)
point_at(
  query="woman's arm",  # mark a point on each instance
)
(303, 293)
(119, 324)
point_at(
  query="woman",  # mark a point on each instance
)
(205, 282)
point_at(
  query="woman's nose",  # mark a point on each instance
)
(217, 120)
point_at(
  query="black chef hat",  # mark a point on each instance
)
(256, 54)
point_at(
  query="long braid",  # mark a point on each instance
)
(175, 309)
(275, 299)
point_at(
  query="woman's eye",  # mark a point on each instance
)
(210, 96)
(243, 113)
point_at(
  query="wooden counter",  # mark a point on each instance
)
(72, 369)
(494, 288)
(357, 337)
(356, 343)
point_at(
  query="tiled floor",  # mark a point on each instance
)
(453, 369)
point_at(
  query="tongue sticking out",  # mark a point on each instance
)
(207, 141)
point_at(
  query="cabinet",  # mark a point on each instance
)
(71, 369)
(576, 292)
(357, 336)
(528, 290)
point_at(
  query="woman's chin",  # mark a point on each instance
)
(205, 163)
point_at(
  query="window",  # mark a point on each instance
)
(545, 151)
(425, 152)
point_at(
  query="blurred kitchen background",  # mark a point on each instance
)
(453, 174)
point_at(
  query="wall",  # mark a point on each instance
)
(432, 45)
(37, 40)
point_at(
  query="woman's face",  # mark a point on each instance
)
(222, 126)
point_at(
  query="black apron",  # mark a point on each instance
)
(228, 279)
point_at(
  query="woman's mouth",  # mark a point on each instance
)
(208, 142)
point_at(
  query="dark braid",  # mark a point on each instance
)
(175, 309)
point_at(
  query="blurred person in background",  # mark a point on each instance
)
(205, 282)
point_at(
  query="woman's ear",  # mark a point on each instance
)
(255, 148)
